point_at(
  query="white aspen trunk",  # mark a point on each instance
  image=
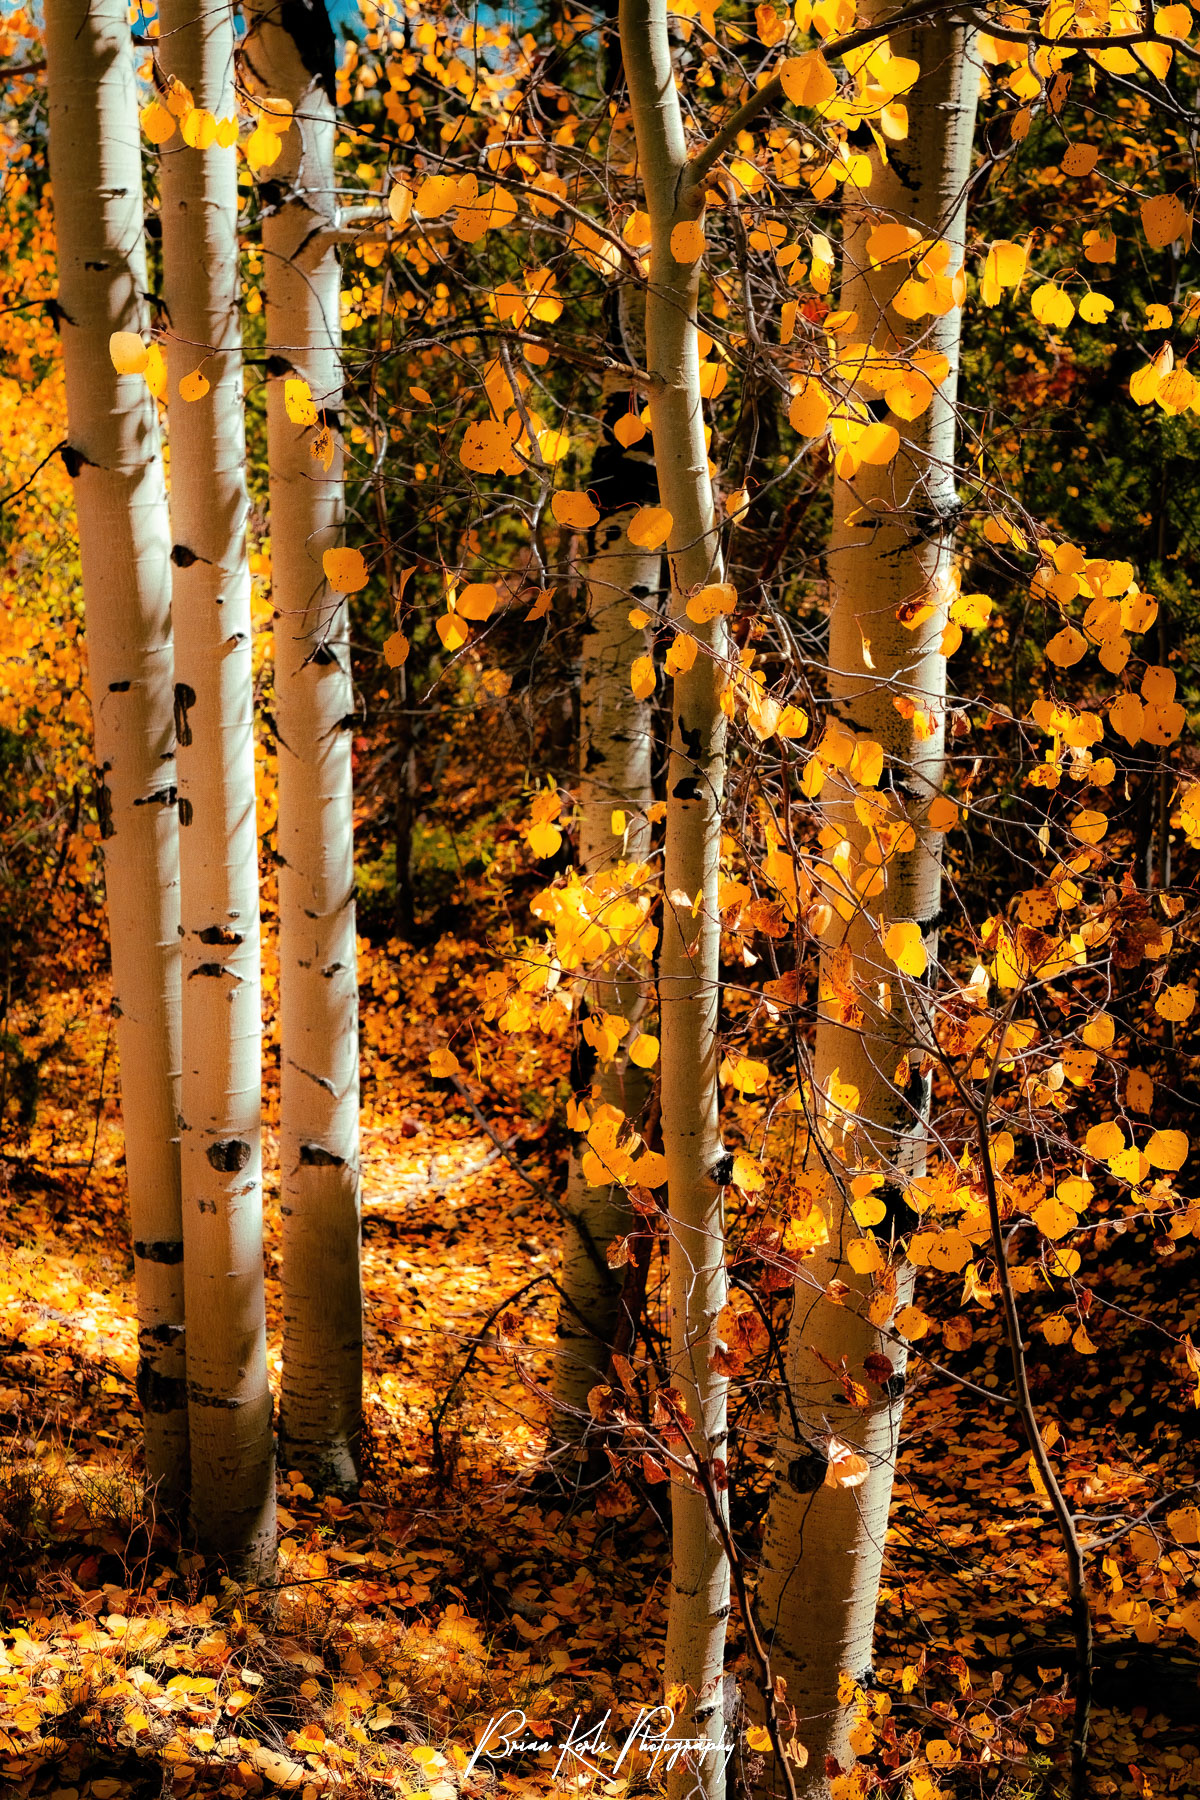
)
(321, 1400)
(892, 542)
(229, 1400)
(689, 959)
(614, 773)
(125, 545)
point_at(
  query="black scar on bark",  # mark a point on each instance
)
(229, 1155)
(314, 1156)
(185, 699)
(185, 812)
(806, 1473)
(219, 934)
(159, 1250)
(687, 789)
(160, 1393)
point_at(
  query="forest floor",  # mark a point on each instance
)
(467, 1580)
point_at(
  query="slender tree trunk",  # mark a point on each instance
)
(614, 775)
(233, 1487)
(892, 544)
(689, 958)
(125, 545)
(321, 1404)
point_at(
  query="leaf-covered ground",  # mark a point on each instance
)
(468, 1577)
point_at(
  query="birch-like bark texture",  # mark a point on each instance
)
(689, 959)
(321, 1398)
(125, 547)
(614, 773)
(229, 1400)
(892, 543)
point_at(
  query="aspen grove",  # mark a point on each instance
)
(600, 846)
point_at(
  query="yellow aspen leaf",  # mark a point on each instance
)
(1158, 317)
(1158, 686)
(943, 814)
(1079, 160)
(1004, 267)
(688, 242)
(711, 602)
(636, 230)
(263, 148)
(541, 605)
(1099, 1031)
(1163, 219)
(758, 1737)
(478, 600)
(1057, 1329)
(453, 631)
(681, 655)
(903, 944)
(395, 650)
(807, 80)
(1053, 1219)
(878, 444)
(809, 411)
(553, 445)
(747, 1173)
(572, 508)
(865, 1256)
(1126, 715)
(298, 402)
(1105, 1140)
(1100, 246)
(629, 430)
(157, 123)
(1052, 306)
(1167, 1150)
(345, 569)
(156, 372)
(1175, 1004)
(193, 386)
(1066, 647)
(1089, 827)
(650, 1169)
(643, 1051)
(912, 1323)
(400, 204)
(1094, 309)
(128, 353)
(485, 447)
(950, 1251)
(649, 527)
(199, 129)
(1082, 1342)
(435, 196)
(642, 678)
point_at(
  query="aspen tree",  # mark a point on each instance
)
(615, 795)
(125, 546)
(233, 1490)
(891, 559)
(688, 966)
(321, 1399)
